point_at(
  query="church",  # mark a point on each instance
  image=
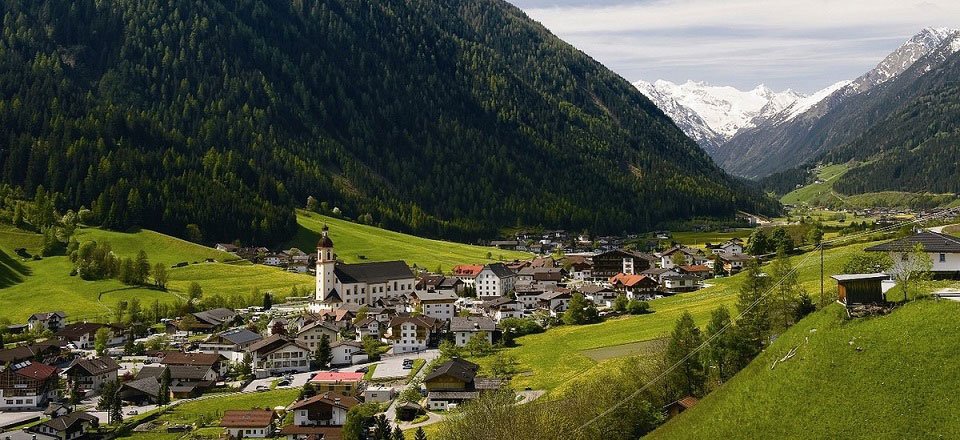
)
(356, 284)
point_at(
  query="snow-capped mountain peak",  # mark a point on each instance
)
(719, 111)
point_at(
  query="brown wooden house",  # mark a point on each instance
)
(860, 288)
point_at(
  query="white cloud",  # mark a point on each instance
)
(799, 44)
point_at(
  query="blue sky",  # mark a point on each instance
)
(802, 45)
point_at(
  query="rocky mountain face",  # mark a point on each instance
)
(759, 132)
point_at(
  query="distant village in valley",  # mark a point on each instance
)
(382, 334)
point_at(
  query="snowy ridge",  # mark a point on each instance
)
(715, 113)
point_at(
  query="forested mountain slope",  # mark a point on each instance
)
(442, 118)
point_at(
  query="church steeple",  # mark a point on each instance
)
(326, 265)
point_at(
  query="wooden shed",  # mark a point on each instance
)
(857, 289)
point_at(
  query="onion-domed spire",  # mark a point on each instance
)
(325, 241)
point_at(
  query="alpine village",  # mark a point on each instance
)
(425, 219)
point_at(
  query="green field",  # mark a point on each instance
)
(816, 192)
(878, 378)
(559, 356)
(29, 286)
(208, 410)
(354, 241)
(698, 239)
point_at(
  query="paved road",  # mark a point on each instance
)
(299, 379)
(938, 229)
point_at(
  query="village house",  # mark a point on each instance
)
(227, 247)
(439, 305)
(345, 383)
(82, 335)
(325, 409)
(46, 352)
(943, 250)
(231, 344)
(347, 353)
(730, 247)
(215, 319)
(279, 354)
(688, 256)
(554, 301)
(675, 408)
(27, 386)
(502, 308)
(733, 263)
(494, 281)
(700, 271)
(89, 375)
(378, 394)
(409, 334)
(66, 427)
(465, 328)
(610, 263)
(439, 283)
(364, 283)
(455, 382)
(249, 423)
(581, 271)
(467, 273)
(640, 287)
(601, 296)
(144, 389)
(52, 321)
(369, 327)
(681, 283)
(191, 374)
(527, 294)
(658, 273)
(309, 336)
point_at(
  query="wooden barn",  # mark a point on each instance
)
(857, 289)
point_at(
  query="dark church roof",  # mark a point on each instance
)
(372, 273)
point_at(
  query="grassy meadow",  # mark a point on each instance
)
(815, 192)
(562, 354)
(876, 378)
(357, 243)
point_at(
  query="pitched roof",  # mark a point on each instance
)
(931, 242)
(240, 336)
(29, 351)
(271, 344)
(46, 315)
(216, 316)
(96, 366)
(436, 296)
(372, 273)
(249, 418)
(457, 368)
(694, 268)
(181, 358)
(326, 399)
(861, 276)
(553, 294)
(146, 385)
(500, 270)
(150, 372)
(337, 376)
(36, 370)
(75, 331)
(65, 422)
(631, 280)
(419, 321)
(188, 372)
(471, 324)
(469, 270)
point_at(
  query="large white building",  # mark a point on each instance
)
(360, 284)
(494, 281)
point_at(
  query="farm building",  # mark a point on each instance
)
(860, 288)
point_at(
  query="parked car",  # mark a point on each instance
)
(362, 369)
(283, 383)
(133, 412)
(262, 388)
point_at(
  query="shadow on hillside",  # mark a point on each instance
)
(11, 270)
(305, 239)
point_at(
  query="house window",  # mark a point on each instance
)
(943, 258)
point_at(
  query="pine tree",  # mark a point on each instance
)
(141, 268)
(754, 326)
(786, 293)
(721, 351)
(689, 378)
(397, 433)
(323, 355)
(420, 435)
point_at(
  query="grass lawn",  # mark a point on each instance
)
(562, 354)
(810, 193)
(353, 240)
(876, 378)
(30, 286)
(698, 239)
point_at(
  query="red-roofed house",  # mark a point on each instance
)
(27, 385)
(467, 273)
(251, 423)
(635, 286)
(345, 383)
